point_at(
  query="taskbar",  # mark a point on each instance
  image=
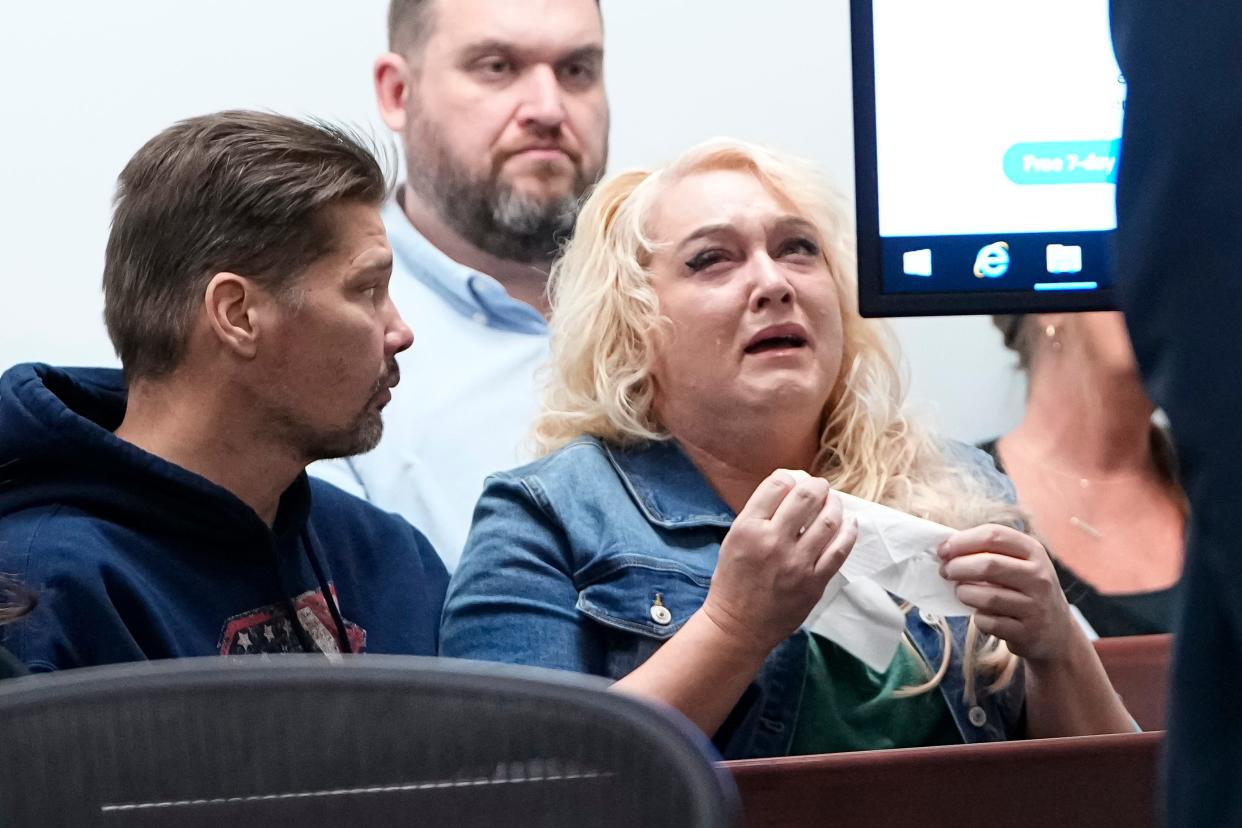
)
(1069, 262)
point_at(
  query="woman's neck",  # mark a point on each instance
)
(1088, 424)
(736, 458)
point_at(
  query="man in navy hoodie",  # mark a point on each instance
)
(165, 511)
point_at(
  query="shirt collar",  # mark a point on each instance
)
(474, 295)
(668, 488)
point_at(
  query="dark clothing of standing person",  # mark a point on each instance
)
(1179, 244)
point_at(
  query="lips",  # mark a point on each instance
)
(777, 337)
(388, 381)
(392, 376)
(544, 151)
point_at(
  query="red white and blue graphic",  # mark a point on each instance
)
(270, 629)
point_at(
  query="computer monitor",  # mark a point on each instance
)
(987, 135)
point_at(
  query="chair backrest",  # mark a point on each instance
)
(374, 740)
(1139, 669)
(1041, 783)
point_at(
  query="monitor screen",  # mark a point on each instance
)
(986, 139)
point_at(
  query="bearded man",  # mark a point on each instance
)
(503, 118)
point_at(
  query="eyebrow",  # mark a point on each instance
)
(793, 222)
(787, 222)
(593, 51)
(369, 262)
(585, 53)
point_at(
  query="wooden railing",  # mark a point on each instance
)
(1045, 783)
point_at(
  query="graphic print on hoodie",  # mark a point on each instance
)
(132, 557)
(272, 630)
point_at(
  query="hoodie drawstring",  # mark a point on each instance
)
(308, 644)
(342, 635)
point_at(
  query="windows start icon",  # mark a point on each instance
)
(917, 262)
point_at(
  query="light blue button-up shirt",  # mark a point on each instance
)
(467, 397)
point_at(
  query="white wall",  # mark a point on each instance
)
(84, 87)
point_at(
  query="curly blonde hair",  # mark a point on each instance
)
(606, 326)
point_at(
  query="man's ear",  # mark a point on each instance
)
(392, 88)
(232, 315)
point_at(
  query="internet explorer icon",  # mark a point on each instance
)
(992, 261)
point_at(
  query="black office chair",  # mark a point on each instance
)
(370, 740)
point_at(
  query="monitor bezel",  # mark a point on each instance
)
(873, 301)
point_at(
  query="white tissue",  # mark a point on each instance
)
(859, 617)
(898, 552)
(895, 553)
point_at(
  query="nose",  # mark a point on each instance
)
(770, 284)
(543, 107)
(397, 335)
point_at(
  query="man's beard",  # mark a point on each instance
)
(359, 437)
(488, 213)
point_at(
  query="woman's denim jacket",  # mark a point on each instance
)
(566, 558)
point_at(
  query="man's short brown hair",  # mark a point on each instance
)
(409, 25)
(235, 191)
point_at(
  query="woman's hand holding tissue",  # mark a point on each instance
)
(1008, 579)
(785, 545)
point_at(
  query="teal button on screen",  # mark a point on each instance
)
(1063, 162)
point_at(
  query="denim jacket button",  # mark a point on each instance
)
(977, 716)
(660, 614)
(930, 619)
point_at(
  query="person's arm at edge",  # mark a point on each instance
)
(702, 671)
(1072, 695)
(512, 598)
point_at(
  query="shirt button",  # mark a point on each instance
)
(977, 717)
(660, 614)
(929, 618)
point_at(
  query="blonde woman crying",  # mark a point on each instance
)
(704, 338)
